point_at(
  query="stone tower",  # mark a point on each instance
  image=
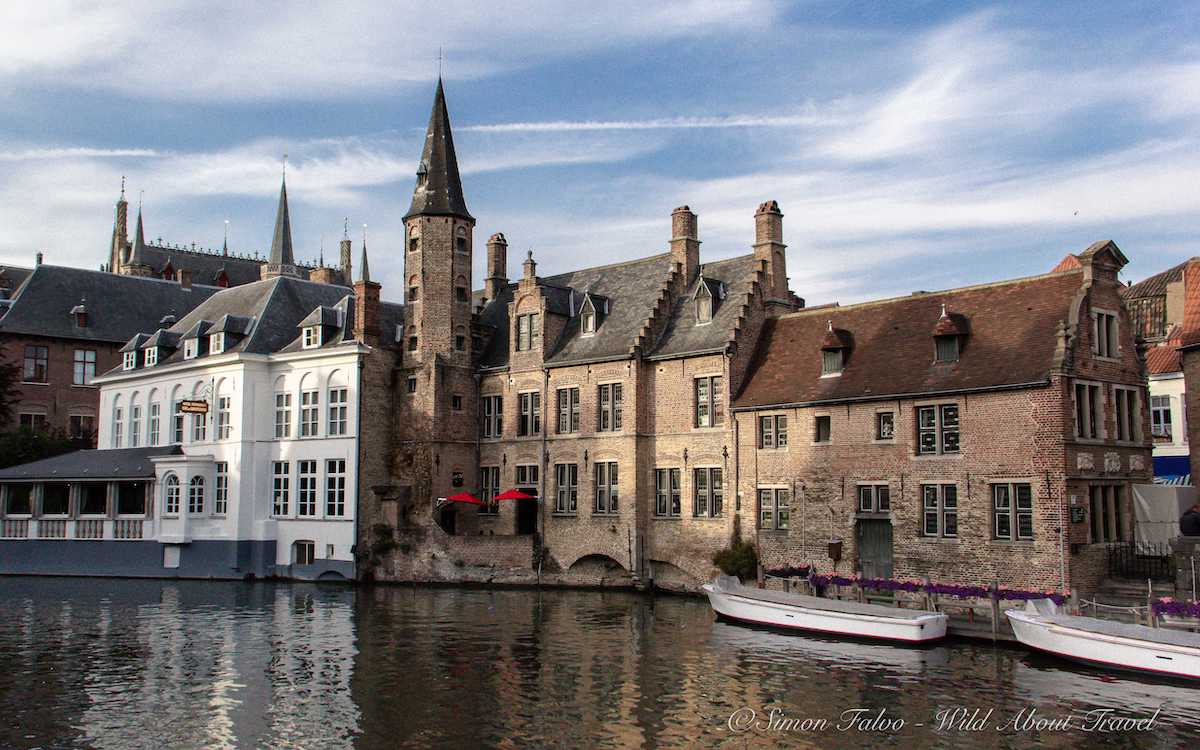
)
(119, 248)
(438, 383)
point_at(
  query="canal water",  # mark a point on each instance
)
(155, 664)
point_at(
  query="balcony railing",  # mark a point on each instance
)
(15, 528)
(127, 528)
(52, 529)
(89, 528)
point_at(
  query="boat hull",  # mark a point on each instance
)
(1105, 651)
(730, 606)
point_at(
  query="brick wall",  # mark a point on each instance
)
(58, 398)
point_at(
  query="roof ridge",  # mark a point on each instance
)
(831, 307)
(607, 266)
(136, 279)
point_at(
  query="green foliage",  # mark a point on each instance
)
(24, 445)
(10, 374)
(738, 559)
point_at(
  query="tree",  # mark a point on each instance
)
(10, 375)
(23, 445)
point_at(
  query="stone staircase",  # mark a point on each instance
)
(1119, 592)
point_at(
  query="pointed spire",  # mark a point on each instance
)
(439, 187)
(281, 260)
(225, 244)
(139, 241)
(364, 270)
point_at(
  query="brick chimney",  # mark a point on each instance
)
(685, 242)
(185, 278)
(324, 275)
(366, 303)
(497, 266)
(769, 247)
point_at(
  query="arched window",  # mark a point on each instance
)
(196, 496)
(414, 240)
(171, 495)
(460, 241)
(118, 424)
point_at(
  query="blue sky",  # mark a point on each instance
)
(910, 145)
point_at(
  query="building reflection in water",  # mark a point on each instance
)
(110, 663)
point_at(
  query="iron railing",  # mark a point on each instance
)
(1139, 561)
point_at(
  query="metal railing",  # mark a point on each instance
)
(1139, 561)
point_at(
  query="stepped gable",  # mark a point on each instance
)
(682, 335)
(1013, 338)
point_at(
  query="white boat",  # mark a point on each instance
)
(733, 601)
(1104, 643)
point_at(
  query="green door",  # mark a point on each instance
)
(875, 548)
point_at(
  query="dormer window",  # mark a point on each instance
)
(832, 361)
(152, 356)
(312, 337)
(704, 302)
(191, 347)
(948, 337)
(216, 343)
(947, 348)
(587, 322)
(130, 360)
(834, 349)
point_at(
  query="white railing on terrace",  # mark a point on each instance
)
(127, 528)
(52, 528)
(92, 528)
(15, 528)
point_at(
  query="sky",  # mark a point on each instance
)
(915, 145)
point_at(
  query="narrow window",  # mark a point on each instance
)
(177, 423)
(708, 493)
(885, 426)
(461, 294)
(414, 294)
(822, 428)
(489, 483)
(130, 360)
(118, 427)
(412, 384)
(310, 413)
(153, 424)
(530, 406)
(171, 495)
(774, 508)
(280, 488)
(568, 410)
(196, 496)
(283, 415)
(704, 308)
(335, 487)
(709, 402)
(940, 510)
(587, 322)
(36, 364)
(493, 416)
(338, 411)
(609, 412)
(667, 493)
(567, 486)
(85, 366)
(606, 487)
(135, 425)
(312, 337)
(152, 356)
(456, 402)
(216, 343)
(199, 428)
(306, 497)
(191, 348)
(1160, 417)
(221, 496)
(224, 418)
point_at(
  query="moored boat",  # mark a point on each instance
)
(1107, 644)
(733, 601)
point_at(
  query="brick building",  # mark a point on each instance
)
(985, 433)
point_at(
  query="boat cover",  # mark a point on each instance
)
(731, 585)
(1125, 630)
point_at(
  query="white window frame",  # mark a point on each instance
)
(216, 343)
(283, 427)
(335, 488)
(130, 360)
(135, 425)
(311, 337)
(151, 356)
(118, 426)
(310, 414)
(224, 417)
(171, 495)
(191, 348)
(281, 489)
(338, 411)
(306, 488)
(196, 499)
(221, 489)
(1160, 417)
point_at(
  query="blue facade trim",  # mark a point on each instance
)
(231, 560)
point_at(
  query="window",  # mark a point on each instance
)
(312, 337)
(1104, 334)
(118, 428)
(153, 424)
(35, 421)
(130, 360)
(885, 425)
(606, 487)
(280, 487)
(135, 425)
(83, 427)
(412, 343)
(460, 244)
(666, 492)
(216, 343)
(1087, 411)
(529, 333)
(493, 416)
(93, 497)
(151, 356)
(414, 293)
(874, 498)
(567, 476)
(304, 551)
(774, 510)
(822, 428)
(196, 496)
(221, 497)
(708, 495)
(940, 510)
(587, 322)
(414, 243)
(1128, 416)
(610, 408)
(56, 499)
(171, 495)
(704, 307)
(338, 411)
(772, 431)
(306, 497)
(20, 500)
(283, 415)
(530, 418)
(568, 410)
(946, 348)
(489, 481)
(191, 347)
(937, 429)
(1105, 501)
(85, 366)
(199, 428)
(709, 409)
(461, 294)
(456, 402)
(37, 363)
(527, 476)
(177, 423)
(1012, 511)
(224, 418)
(310, 413)
(460, 343)
(832, 361)
(1160, 416)
(131, 498)
(412, 384)
(335, 487)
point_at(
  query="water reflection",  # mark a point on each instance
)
(193, 664)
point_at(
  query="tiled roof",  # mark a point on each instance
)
(1164, 359)
(118, 306)
(117, 463)
(1012, 338)
(1157, 284)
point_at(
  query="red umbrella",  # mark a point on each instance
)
(514, 494)
(464, 497)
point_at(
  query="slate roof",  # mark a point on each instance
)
(118, 306)
(439, 187)
(1156, 285)
(12, 277)
(1012, 338)
(116, 463)
(682, 335)
(206, 267)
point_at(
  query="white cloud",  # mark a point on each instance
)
(74, 152)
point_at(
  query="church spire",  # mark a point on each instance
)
(439, 188)
(364, 270)
(139, 242)
(281, 262)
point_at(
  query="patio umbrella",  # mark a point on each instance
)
(464, 497)
(514, 494)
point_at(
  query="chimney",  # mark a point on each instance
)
(685, 242)
(530, 266)
(185, 278)
(497, 266)
(769, 247)
(80, 313)
(366, 302)
(323, 275)
(347, 271)
(39, 259)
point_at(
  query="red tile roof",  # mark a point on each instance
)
(1012, 335)
(1161, 360)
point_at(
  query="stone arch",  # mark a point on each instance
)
(281, 384)
(595, 561)
(308, 382)
(337, 379)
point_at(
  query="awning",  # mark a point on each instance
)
(464, 497)
(514, 494)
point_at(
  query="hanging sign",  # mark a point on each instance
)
(193, 407)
